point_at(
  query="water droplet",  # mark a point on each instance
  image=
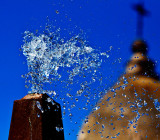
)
(38, 115)
(59, 129)
(103, 126)
(57, 12)
(145, 103)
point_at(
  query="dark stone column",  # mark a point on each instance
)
(35, 118)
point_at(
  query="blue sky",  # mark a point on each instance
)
(105, 23)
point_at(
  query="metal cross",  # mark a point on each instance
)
(141, 13)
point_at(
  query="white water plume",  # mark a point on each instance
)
(46, 53)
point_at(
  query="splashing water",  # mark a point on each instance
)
(46, 54)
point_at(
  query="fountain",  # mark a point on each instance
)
(37, 116)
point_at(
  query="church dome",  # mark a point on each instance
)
(130, 109)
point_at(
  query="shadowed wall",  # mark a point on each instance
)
(36, 117)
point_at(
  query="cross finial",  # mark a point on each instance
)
(141, 13)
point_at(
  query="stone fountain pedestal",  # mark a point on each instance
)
(36, 117)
